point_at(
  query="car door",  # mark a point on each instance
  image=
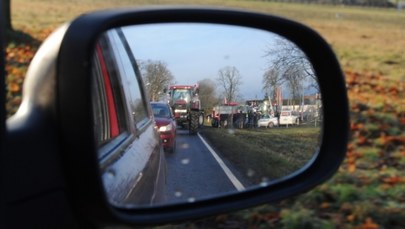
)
(284, 118)
(129, 149)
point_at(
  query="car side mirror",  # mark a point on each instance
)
(113, 166)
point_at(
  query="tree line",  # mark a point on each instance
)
(288, 69)
(366, 3)
(157, 77)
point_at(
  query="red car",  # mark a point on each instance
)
(166, 123)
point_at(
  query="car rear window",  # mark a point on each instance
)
(161, 111)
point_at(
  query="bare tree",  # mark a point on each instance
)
(287, 58)
(230, 79)
(271, 80)
(207, 93)
(157, 77)
(294, 79)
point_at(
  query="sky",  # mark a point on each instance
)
(195, 51)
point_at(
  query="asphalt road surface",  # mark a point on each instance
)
(194, 171)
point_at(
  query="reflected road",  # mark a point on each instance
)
(194, 173)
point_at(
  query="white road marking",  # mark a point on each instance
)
(238, 185)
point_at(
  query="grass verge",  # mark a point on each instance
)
(265, 154)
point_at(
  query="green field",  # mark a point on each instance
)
(365, 39)
(369, 189)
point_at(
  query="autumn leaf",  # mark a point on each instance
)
(13, 87)
(351, 218)
(351, 168)
(394, 180)
(356, 126)
(325, 205)
(402, 120)
(369, 224)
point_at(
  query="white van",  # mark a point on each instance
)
(289, 118)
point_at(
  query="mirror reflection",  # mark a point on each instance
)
(189, 111)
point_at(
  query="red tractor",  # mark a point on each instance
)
(186, 106)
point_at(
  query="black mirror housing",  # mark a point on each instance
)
(74, 124)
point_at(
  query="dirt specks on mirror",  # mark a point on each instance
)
(185, 161)
(110, 174)
(244, 111)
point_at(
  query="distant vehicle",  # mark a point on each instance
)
(222, 114)
(267, 121)
(186, 106)
(166, 124)
(289, 118)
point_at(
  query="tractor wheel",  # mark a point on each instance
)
(193, 127)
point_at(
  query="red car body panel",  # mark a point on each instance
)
(166, 118)
(168, 137)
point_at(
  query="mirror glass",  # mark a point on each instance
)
(189, 111)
